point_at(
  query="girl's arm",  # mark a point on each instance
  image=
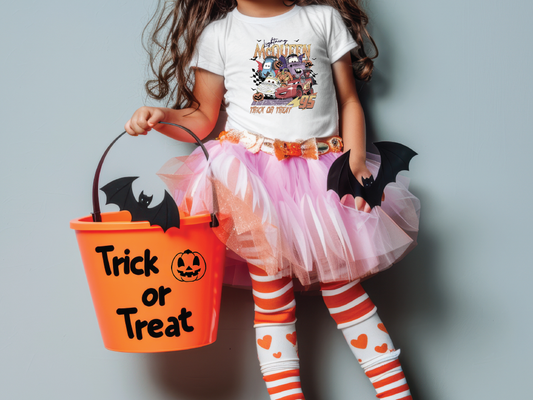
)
(351, 121)
(208, 89)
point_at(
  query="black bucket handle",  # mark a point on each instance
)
(97, 217)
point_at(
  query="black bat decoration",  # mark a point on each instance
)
(120, 192)
(395, 157)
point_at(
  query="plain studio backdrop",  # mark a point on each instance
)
(453, 81)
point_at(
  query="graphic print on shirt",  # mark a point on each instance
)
(282, 77)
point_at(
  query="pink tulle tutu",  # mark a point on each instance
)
(279, 216)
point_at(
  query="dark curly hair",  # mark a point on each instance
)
(172, 34)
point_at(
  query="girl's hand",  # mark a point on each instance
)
(360, 171)
(144, 119)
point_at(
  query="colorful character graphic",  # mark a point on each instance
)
(283, 81)
(295, 65)
(268, 87)
(284, 77)
(293, 58)
(295, 88)
(268, 68)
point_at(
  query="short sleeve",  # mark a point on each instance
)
(209, 54)
(340, 41)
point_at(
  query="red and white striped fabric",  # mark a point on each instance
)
(284, 385)
(389, 380)
(273, 298)
(347, 302)
(275, 329)
(356, 316)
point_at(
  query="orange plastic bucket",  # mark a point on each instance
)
(153, 290)
(148, 293)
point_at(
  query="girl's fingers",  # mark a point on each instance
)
(138, 129)
(156, 116)
(129, 129)
(362, 205)
(141, 119)
(359, 203)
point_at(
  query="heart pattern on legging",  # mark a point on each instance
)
(361, 342)
(265, 342)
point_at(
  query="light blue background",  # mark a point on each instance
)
(453, 81)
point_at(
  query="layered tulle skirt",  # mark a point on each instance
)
(279, 216)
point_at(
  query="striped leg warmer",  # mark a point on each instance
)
(275, 330)
(356, 317)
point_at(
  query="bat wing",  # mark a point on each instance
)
(119, 192)
(342, 180)
(395, 157)
(165, 214)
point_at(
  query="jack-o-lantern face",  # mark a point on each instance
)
(258, 96)
(188, 266)
(284, 77)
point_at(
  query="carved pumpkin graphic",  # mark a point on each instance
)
(258, 96)
(277, 64)
(188, 266)
(284, 77)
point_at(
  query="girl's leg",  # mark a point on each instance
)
(275, 331)
(356, 317)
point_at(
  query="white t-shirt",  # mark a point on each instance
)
(277, 71)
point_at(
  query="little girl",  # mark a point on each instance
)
(285, 72)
